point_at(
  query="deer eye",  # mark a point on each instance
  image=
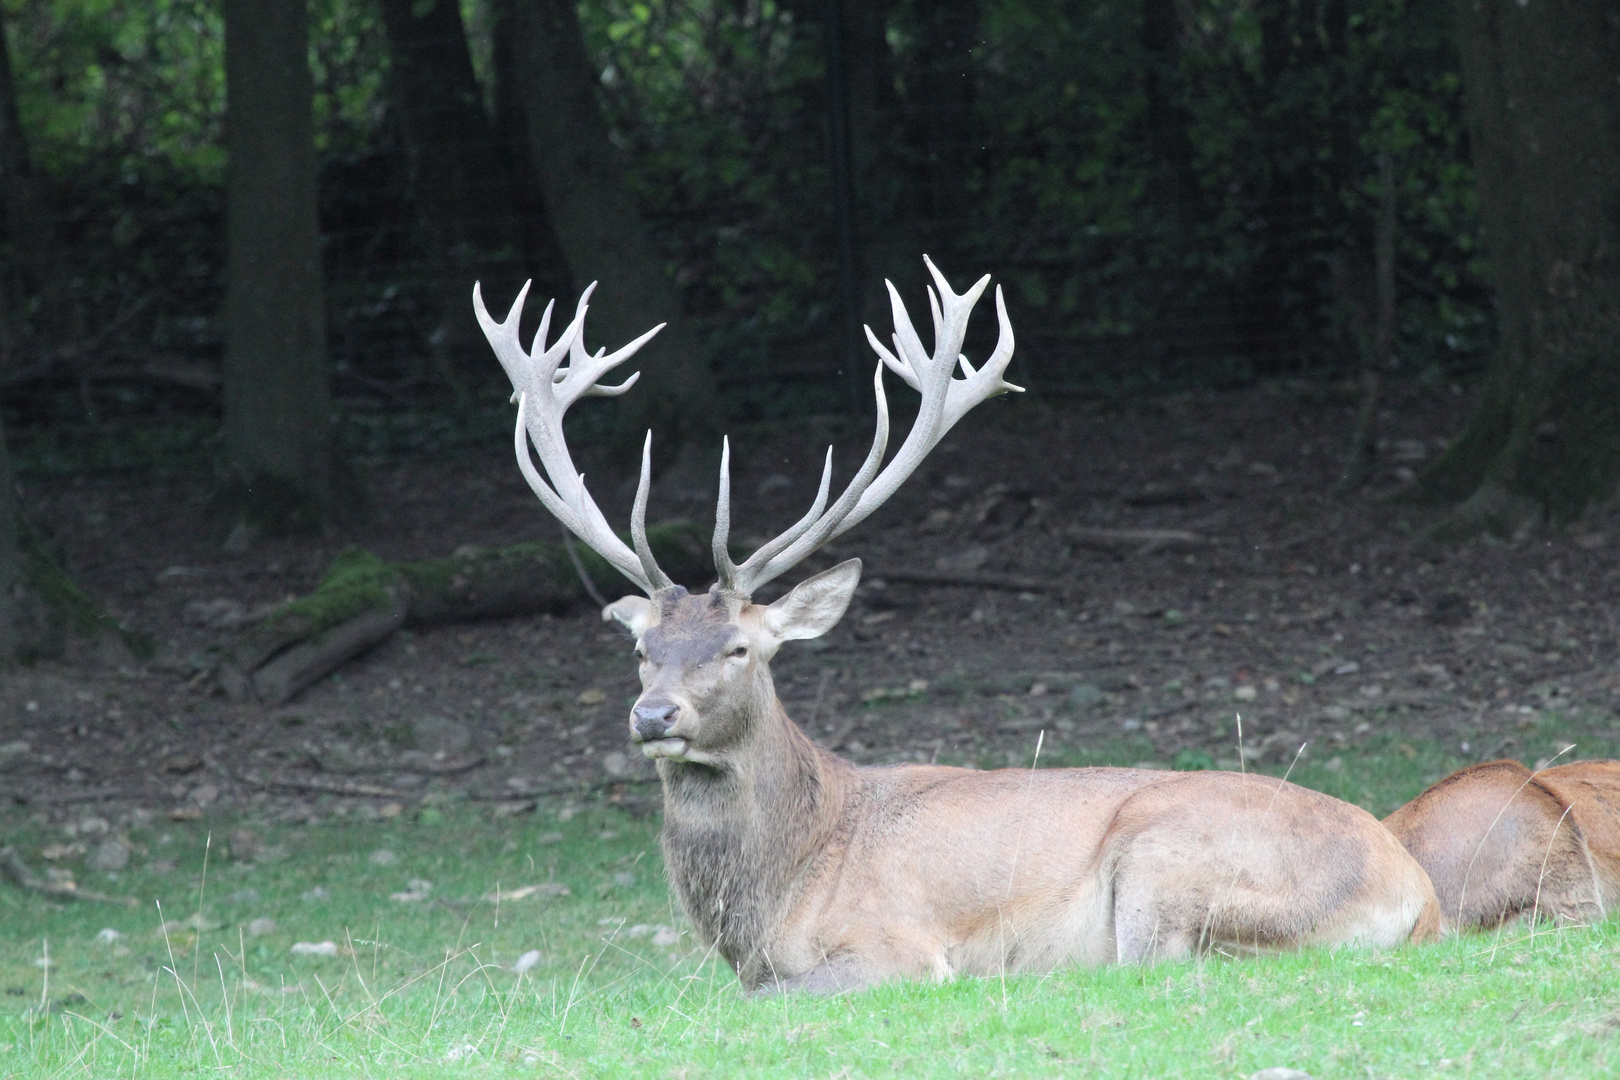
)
(739, 652)
(641, 654)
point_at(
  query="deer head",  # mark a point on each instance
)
(706, 684)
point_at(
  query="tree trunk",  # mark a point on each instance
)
(885, 227)
(1189, 312)
(602, 235)
(543, 255)
(1174, 181)
(1268, 308)
(31, 264)
(1543, 108)
(278, 426)
(841, 164)
(13, 177)
(459, 178)
(34, 262)
(13, 635)
(942, 104)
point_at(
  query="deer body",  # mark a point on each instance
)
(806, 872)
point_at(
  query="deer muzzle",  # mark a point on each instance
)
(653, 720)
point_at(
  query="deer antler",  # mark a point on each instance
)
(945, 400)
(544, 387)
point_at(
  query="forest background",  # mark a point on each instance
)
(1171, 193)
(1174, 193)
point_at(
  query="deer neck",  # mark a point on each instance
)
(739, 838)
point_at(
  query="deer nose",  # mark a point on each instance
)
(654, 721)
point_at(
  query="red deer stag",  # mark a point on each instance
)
(1500, 842)
(808, 872)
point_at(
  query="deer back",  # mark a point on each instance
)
(1500, 841)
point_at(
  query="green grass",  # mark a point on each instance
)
(425, 987)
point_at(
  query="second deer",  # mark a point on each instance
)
(807, 872)
(1500, 842)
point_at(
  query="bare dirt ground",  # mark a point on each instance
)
(1319, 617)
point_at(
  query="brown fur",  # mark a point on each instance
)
(807, 872)
(1501, 842)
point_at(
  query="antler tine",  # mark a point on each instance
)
(638, 522)
(890, 361)
(907, 345)
(987, 381)
(735, 577)
(824, 526)
(945, 399)
(722, 519)
(579, 377)
(544, 390)
(589, 526)
(781, 543)
(933, 309)
(503, 335)
(951, 327)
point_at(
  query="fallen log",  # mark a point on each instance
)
(363, 600)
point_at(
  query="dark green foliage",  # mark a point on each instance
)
(1186, 199)
(1256, 257)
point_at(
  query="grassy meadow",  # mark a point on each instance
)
(446, 942)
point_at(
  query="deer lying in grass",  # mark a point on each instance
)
(807, 872)
(1501, 842)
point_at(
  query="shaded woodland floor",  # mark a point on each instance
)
(1318, 617)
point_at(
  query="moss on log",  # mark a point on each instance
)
(364, 599)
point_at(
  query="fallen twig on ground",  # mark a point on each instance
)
(18, 872)
(1141, 540)
(321, 785)
(574, 788)
(67, 797)
(998, 582)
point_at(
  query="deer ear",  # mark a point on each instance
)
(815, 605)
(634, 613)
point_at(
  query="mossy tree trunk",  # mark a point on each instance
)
(278, 424)
(1543, 104)
(603, 236)
(41, 607)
